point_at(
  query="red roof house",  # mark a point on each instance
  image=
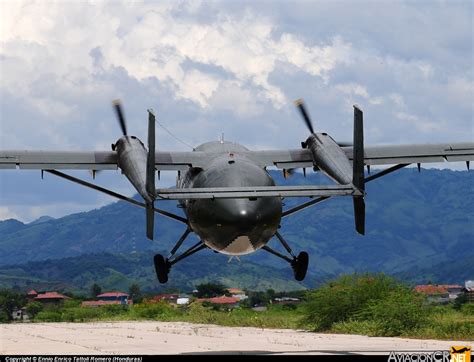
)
(112, 295)
(221, 300)
(115, 296)
(431, 289)
(32, 294)
(51, 297)
(99, 303)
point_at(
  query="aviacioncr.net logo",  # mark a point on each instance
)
(436, 356)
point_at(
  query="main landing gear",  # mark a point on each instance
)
(163, 265)
(299, 263)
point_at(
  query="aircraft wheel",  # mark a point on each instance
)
(162, 268)
(300, 265)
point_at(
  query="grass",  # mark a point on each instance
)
(442, 323)
(274, 317)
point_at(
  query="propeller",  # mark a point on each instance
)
(299, 103)
(138, 163)
(118, 110)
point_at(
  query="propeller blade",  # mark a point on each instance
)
(300, 104)
(118, 109)
(150, 167)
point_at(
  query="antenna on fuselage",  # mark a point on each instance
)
(222, 138)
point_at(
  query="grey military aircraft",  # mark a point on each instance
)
(229, 199)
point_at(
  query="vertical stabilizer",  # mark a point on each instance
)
(358, 170)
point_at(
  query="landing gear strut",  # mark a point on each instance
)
(163, 265)
(299, 263)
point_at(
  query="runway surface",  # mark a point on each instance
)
(130, 338)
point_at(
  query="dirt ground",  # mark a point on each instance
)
(128, 338)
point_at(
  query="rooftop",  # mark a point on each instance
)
(98, 303)
(51, 295)
(220, 300)
(112, 294)
(431, 289)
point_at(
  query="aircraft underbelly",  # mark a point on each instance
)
(233, 226)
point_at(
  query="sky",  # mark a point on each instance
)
(232, 67)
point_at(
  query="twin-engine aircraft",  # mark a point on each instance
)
(229, 199)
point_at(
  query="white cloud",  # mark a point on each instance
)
(6, 213)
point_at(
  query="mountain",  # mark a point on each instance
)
(41, 219)
(454, 271)
(414, 220)
(111, 272)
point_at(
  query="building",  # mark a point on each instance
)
(32, 294)
(469, 291)
(237, 293)
(50, 298)
(182, 300)
(434, 293)
(454, 290)
(20, 314)
(230, 302)
(121, 298)
(99, 303)
(286, 300)
(440, 293)
(109, 298)
(170, 298)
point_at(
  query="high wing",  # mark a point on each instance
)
(373, 155)
(94, 160)
(282, 159)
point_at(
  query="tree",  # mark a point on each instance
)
(33, 308)
(134, 293)
(341, 299)
(96, 290)
(10, 301)
(210, 290)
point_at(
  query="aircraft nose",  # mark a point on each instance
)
(241, 213)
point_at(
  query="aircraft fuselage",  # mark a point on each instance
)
(231, 226)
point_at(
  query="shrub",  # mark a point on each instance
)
(342, 299)
(115, 309)
(3, 317)
(400, 312)
(364, 327)
(152, 310)
(48, 316)
(448, 328)
(33, 308)
(467, 309)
